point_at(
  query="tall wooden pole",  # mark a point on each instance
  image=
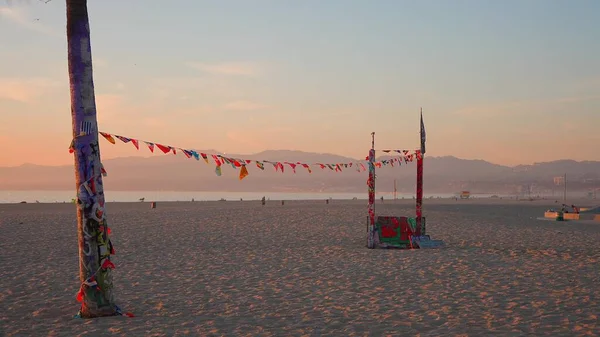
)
(419, 206)
(95, 248)
(371, 190)
(420, 157)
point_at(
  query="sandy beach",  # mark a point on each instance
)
(239, 269)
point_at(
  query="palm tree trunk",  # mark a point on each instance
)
(95, 248)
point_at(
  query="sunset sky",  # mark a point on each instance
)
(510, 82)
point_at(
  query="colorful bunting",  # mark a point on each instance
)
(123, 139)
(306, 167)
(108, 137)
(404, 156)
(150, 146)
(243, 172)
(164, 149)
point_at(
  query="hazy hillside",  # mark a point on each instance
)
(442, 175)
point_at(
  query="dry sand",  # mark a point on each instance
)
(236, 268)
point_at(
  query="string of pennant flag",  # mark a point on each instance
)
(404, 157)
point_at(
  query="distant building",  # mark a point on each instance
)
(559, 180)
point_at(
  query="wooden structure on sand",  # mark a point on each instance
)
(394, 231)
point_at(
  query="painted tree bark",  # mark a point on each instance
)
(95, 248)
(371, 190)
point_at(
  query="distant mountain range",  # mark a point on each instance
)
(442, 175)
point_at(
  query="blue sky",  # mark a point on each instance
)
(506, 81)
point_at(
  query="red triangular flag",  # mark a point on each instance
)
(107, 264)
(216, 159)
(163, 148)
(80, 295)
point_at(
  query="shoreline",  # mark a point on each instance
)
(581, 202)
(12, 197)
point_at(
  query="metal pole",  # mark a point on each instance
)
(373, 140)
(565, 193)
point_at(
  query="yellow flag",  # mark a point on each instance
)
(108, 137)
(243, 172)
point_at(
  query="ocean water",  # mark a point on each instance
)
(132, 196)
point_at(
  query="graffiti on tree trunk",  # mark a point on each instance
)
(371, 238)
(95, 293)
